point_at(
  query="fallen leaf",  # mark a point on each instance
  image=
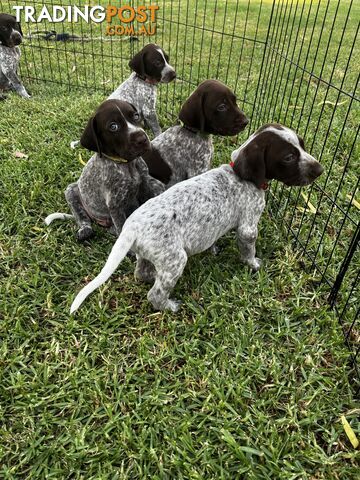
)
(81, 160)
(353, 201)
(308, 203)
(20, 155)
(349, 432)
(333, 104)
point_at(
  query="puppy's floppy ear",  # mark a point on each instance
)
(250, 164)
(90, 137)
(137, 63)
(192, 113)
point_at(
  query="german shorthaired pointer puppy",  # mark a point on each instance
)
(181, 152)
(150, 66)
(190, 216)
(116, 180)
(10, 37)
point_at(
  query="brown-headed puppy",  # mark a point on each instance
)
(116, 180)
(10, 38)
(150, 67)
(181, 152)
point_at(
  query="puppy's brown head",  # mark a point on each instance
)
(275, 152)
(212, 108)
(114, 131)
(10, 30)
(152, 63)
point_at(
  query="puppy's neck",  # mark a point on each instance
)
(195, 131)
(118, 160)
(263, 186)
(149, 81)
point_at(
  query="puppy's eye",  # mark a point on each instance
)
(158, 63)
(136, 117)
(113, 127)
(289, 158)
(222, 107)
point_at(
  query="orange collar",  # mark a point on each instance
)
(263, 186)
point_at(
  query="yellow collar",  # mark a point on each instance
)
(116, 159)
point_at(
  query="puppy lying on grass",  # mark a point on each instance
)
(190, 216)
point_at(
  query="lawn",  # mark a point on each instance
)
(249, 380)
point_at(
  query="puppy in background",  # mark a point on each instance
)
(150, 67)
(116, 180)
(10, 38)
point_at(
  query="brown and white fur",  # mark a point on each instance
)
(182, 152)
(150, 67)
(10, 38)
(116, 180)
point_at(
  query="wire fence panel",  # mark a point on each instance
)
(310, 82)
(293, 61)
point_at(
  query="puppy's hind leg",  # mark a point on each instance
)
(168, 270)
(83, 220)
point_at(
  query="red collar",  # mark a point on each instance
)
(263, 186)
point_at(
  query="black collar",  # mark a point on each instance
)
(195, 131)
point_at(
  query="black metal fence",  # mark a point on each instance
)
(291, 61)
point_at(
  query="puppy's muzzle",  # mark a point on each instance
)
(241, 123)
(140, 141)
(315, 169)
(169, 76)
(15, 38)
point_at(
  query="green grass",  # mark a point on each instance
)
(248, 381)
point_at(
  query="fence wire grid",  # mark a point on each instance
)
(292, 61)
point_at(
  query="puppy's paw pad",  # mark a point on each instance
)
(85, 233)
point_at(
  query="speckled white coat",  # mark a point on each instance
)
(187, 153)
(9, 62)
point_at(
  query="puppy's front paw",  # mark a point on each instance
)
(84, 233)
(173, 305)
(254, 264)
(25, 94)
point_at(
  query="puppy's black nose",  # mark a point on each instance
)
(244, 122)
(317, 170)
(16, 38)
(171, 75)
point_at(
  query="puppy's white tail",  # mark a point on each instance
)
(57, 216)
(121, 247)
